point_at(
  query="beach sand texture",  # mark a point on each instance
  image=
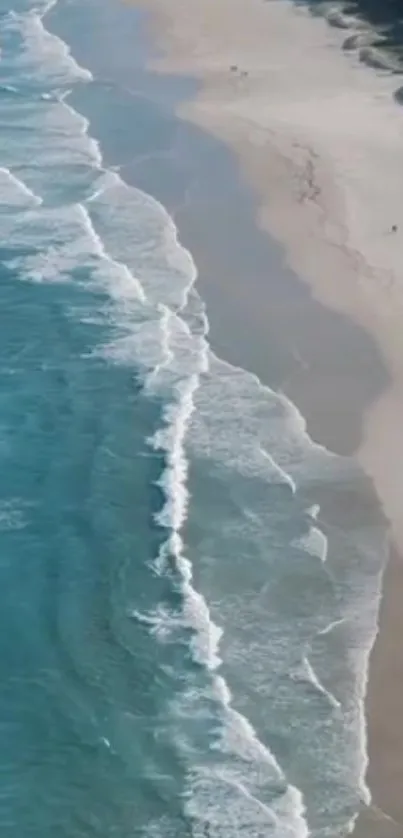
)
(320, 137)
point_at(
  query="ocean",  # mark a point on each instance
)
(187, 604)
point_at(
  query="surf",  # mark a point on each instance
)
(215, 425)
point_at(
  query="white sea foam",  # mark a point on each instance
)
(13, 515)
(284, 477)
(313, 542)
(129, 245)
(43, 57)
(8, 88)
(244, 789)
(184, 363)
(305, 672)
(249, 766)
(329, 628)
(139, 228)
(129, 286)
(14, 193)
(273, 443)
(162, 622)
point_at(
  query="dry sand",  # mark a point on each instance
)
(320, 137)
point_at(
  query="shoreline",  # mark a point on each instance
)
(305, 204)
(304, 208)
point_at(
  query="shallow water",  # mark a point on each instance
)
(184, 635)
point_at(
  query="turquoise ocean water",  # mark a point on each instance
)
(183, 639)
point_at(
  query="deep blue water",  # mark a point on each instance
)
(183, 645)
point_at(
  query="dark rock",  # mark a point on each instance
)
(398, 95)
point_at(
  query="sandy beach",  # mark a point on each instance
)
(321, 144)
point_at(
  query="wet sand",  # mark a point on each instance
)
(384, 711)
(310, 158)
(312, 127)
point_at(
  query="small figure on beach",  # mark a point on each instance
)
(394, 228)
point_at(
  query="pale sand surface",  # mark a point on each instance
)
(321, 139)
(323, 144)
